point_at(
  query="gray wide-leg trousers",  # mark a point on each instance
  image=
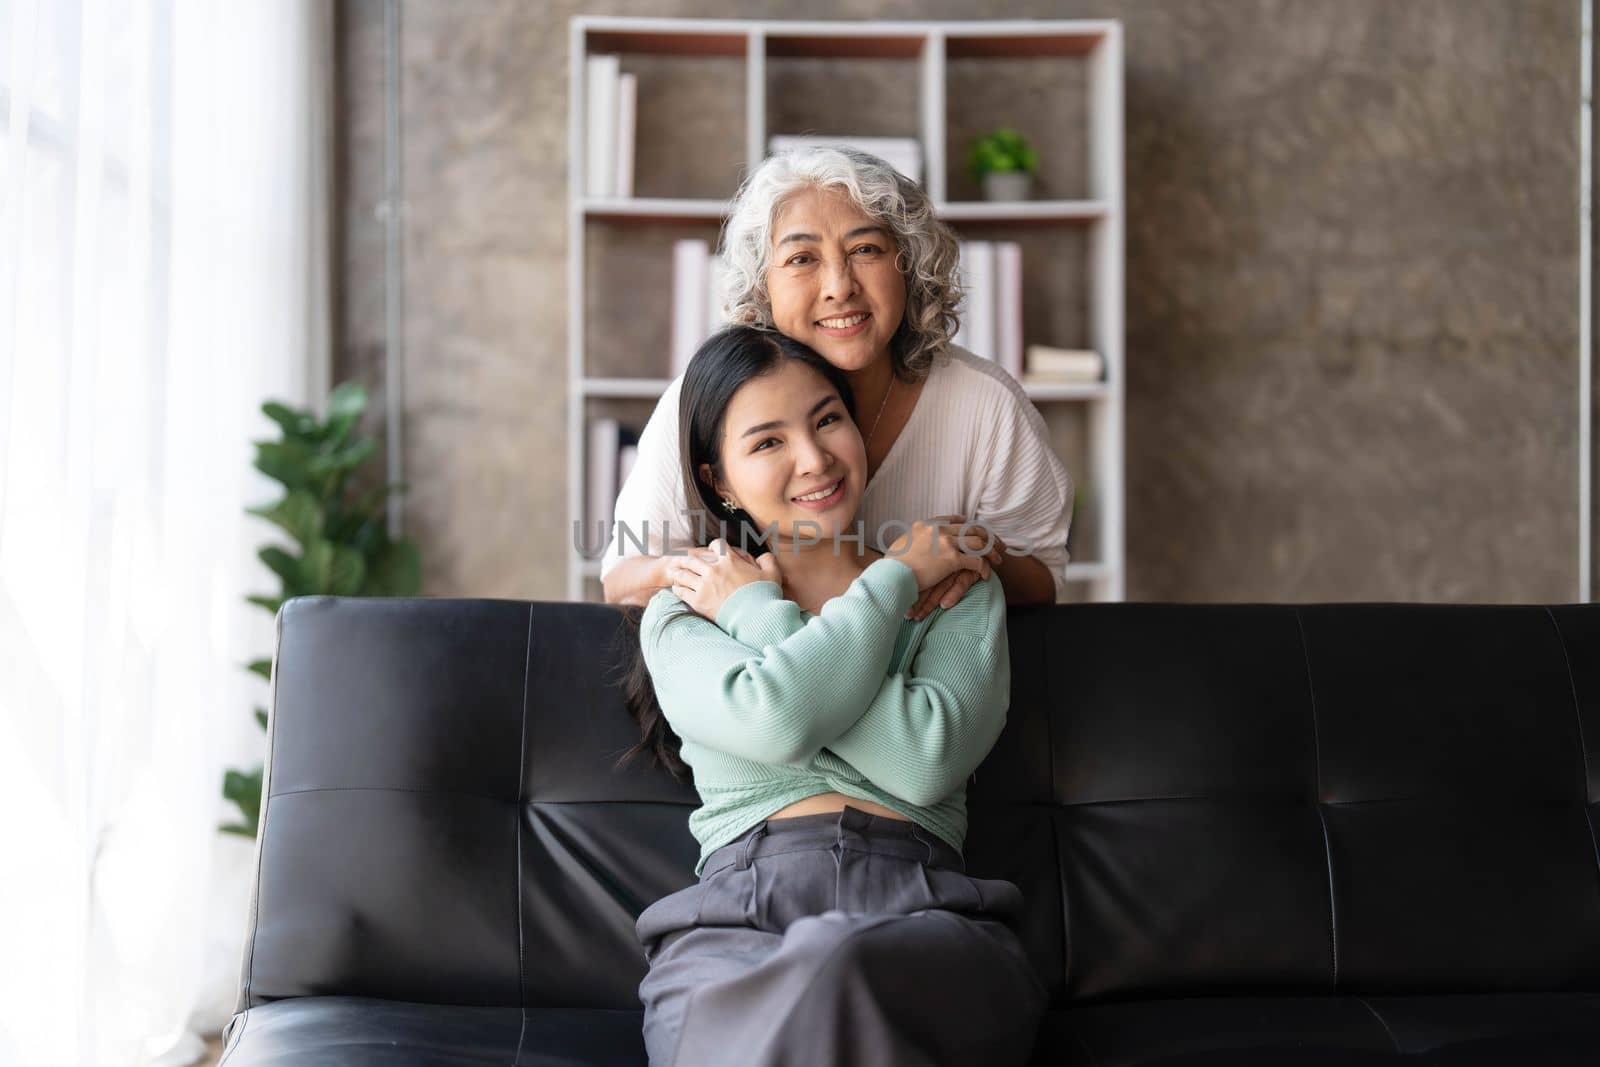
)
(837, 939)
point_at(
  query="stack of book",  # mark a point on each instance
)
(612, 106)
(697, 309)
(904, 154)
(991, 317)
(1064, 366)
(613, 449)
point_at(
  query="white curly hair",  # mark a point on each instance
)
(928, 252)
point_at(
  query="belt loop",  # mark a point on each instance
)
(743, 862)
(916, 832)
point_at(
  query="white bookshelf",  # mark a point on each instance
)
(1096, 43)
(1085, 211)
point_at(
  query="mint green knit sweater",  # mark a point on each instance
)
(774, 705)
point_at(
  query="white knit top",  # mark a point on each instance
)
(974, 446)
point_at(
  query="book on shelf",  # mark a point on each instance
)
(627, 456)
(716, 310)
(1063, 366)
(600, 131)
(904, 154)
(691, 274)
(697, 290)
(991, 319)
(627, 120)
(975, 332)
(609, 125)
(613, 448)
(1008, 306)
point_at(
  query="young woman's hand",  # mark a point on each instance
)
(935, 549)
(706, 577)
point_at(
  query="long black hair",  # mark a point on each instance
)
(720, 367)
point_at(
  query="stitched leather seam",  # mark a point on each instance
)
(1583, 743)
(390, 789)
(1381, 1022)
(1055, 838)
(516, 829)
(1094, 1060)
(1316, 755)
(1333, 910)
(261, 827)
(1577, 711)
(1595, 838)
(1066, 911)
(233, 1042)
(1578, 717)
(1049, 726)
(1311, 692)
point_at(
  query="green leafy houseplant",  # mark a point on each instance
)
(1002, 152)
(344, 546)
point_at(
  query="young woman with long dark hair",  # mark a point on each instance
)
(830, 739)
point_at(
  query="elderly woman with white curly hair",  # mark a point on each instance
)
(836, 249)
(830, 706)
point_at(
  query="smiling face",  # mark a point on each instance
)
(786, 437)
(832, 279)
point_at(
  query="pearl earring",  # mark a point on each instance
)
(728, 503)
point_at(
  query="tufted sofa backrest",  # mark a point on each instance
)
(1196, 798)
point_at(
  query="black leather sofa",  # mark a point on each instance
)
(1351, 834)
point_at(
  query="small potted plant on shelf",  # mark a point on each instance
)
(1004, 164)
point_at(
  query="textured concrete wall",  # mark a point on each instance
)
(1351, 289)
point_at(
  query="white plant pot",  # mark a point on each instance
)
(1007, 185)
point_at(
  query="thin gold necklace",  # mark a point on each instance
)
(879, 417)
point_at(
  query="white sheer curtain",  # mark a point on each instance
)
(163, 262)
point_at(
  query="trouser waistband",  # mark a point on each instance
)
(850, 829)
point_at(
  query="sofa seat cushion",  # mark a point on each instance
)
(363, 1032)
(1503, 1030)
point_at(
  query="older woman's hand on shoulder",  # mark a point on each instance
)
(936, 551)
(706, 577)
(947, 592)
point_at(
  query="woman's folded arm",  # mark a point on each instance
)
(783, 702)
(928, 729)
